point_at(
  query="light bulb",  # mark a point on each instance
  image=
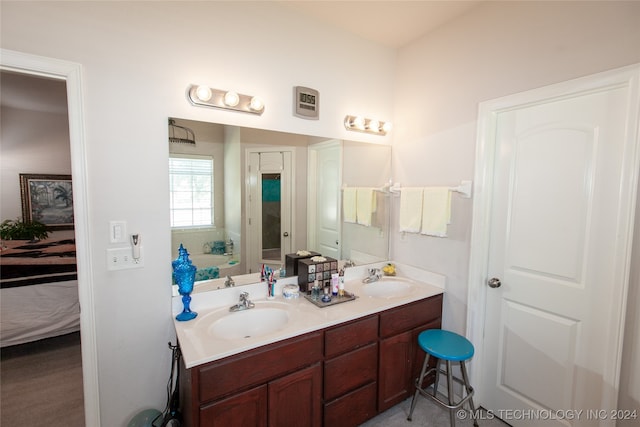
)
(257, 104)
(358, 122)
(386, 127)
(231, 99)
(374, 125)
(204, 93)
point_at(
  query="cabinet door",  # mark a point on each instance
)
(419, 354)
(247, 409)
(395, 370)
(296, 399)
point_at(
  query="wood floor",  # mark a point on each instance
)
(41, 384)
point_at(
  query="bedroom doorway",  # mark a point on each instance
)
(40, 305)
(70, 74)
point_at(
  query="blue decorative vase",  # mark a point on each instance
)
(184, 275)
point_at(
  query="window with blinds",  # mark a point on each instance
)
(191, 191)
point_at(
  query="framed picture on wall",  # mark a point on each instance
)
(47, 199)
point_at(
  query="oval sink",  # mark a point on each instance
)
(250, 323)
(388, 288)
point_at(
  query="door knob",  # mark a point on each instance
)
(494, 282)
(337, 243)
(285, 234)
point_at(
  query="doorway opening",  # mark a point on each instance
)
(71, 73)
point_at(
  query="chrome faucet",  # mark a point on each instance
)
(229, 282)
(349, 263)
(374, 275)
(244, 303)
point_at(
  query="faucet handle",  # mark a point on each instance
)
(244, 296)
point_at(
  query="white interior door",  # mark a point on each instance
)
(270, 204)
(564, 175)
(324, 199)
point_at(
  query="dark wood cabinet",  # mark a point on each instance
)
(258, 378)
(394, 376)
(353, 408)
(350, 372)
(295, 400)
(338, 377)
(246, 409)
(400, 356)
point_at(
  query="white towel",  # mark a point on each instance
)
(410, 209)
(365, 205)
(436, 211)
(349, 204)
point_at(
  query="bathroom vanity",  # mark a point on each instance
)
(333, 366)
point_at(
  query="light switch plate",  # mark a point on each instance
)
(118, 232)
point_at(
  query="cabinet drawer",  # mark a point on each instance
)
(258, 366)
(351, 370)
(344, 338)
(352, 409)
(409, 316)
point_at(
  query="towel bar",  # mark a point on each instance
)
(464, 189)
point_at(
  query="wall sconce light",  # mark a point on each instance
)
(205, 96)
(362, 124)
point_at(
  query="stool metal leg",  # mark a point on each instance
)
(467, 385)
(418, 386)
(435, 382)
(452, 415)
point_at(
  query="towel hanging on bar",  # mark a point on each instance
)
(349, 205)
(365, 205)
(436, 211)
(411, 209)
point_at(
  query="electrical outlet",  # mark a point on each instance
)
(122, 258)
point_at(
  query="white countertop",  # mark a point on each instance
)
(199, 346)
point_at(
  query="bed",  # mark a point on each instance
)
(39, 290)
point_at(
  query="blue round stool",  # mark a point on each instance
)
(448, 347)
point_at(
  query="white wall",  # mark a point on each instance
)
(42, 149)
(138, 58)
(496, 49)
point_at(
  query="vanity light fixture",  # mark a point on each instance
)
(231, 99)
(205, 96)
(362, 124)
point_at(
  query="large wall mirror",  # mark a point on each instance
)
(242, 197)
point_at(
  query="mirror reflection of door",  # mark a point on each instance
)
(324, 201)
(269, 226)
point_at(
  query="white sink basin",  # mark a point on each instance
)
(388, 288)
(251, 323)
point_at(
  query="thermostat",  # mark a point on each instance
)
(306, 103)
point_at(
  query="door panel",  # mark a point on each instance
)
(324, 199)
(551, 202)
(550, 348)
(551, 328)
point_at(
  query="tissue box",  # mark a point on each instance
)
(309, 271)
(291, 262)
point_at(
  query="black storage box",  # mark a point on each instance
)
(309, 271)
(291, 262)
